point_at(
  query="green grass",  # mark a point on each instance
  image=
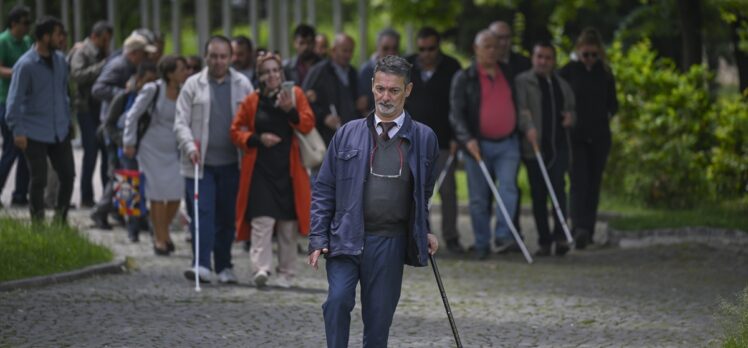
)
(636, 216)
(734, 317)
(27, 251)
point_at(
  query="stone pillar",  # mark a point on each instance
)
(297, 12)
(203, 24)
(144, 22)
(77, 20)
(311, 12)
(111, 16)
(409, 43)
(284, 28)
(272, 11)
(176, 30)
(156, 15)
(362, 32)
(254, 21)
(337, 16)
(64, 14)
(39, 6)
(226, 17)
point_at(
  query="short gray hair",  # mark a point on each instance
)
(394, 65)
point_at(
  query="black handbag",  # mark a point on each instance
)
(145, 120)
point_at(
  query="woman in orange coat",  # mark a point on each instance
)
(274, 190)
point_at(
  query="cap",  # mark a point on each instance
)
(136, 42)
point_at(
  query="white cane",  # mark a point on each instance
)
(557, 207)
(507, 218)
(197, 227)
(442, 175)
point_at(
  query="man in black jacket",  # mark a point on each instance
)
(331, 88)
(429, 104)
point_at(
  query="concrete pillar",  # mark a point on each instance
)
(144, 22)
(226, 17)
(362, 32)
(272, 11)
(2, 9)
(254, 21)
(111, 16)
(156, 15)
(337, 16)
(77, 20)
(297, 12)
(311, 13)
(39, 8)
(176, 30)
(64, 15)
(284, 28)
(203, 24)
(409, 42)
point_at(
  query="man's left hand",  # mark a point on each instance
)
(433, 243)
(566, 122)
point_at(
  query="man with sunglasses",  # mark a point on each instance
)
(369, 208)
(14, 42)
(429, 103)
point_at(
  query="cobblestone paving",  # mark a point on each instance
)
(650, 297)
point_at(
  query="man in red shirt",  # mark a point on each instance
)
(484, 119)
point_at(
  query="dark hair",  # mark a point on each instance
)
(243, 41)
(217, 38)
(545, 44)
(168, 64)
(101, 27)
(304, 30)
(428, 32)
(388, 32)
(197, 59)
(17, 13)
(46, 25)
(146, 67)
(394, 65)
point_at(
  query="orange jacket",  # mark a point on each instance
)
(242, 128)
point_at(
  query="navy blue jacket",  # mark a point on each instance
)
(338, 193)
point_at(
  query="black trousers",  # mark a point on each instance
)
(541, 201)
(60, 154)
(588, 164)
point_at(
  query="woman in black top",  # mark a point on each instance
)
(595, 90)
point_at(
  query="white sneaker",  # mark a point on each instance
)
(261, 278)
(204, 273)
(227, 276)
(283, 281)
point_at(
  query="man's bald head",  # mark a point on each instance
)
(500, 27)
(503, 32)
(342, 49)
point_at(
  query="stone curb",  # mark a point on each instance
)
(715, 237)
(114, 267)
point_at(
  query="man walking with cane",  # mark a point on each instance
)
(546, 110)
(369, 208)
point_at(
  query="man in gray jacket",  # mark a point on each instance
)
(86, 63)
(205, 109)
(546, 111)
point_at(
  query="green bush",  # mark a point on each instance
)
(734, 318)
(673, 144)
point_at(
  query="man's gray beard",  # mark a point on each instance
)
(385, 109)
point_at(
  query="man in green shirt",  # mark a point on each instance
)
(14, 42)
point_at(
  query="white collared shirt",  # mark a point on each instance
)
(398, 124)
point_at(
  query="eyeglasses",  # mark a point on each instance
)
(386, 176)
(427, 49)
(589, 54)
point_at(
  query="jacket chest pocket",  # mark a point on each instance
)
(348, 164)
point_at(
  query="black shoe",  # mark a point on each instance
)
(19, 203)
(581, 237)
(87, 204)
(545, 250)
(161, 252)
(133, 233)
(562, 247)
(454, 247)
(100, 221)
(170, 246)
(482, 254)
(507, 247)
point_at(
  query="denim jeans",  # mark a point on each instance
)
(502, 160)
(88, 123)
(11, 154)
(217, 209)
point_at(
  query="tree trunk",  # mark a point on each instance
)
(741, 58)
(690, 23)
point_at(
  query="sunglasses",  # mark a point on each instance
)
(589, 54)
(427, 49)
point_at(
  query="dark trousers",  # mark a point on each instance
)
(89, 122)
(557, 168)
(587, 166)
(380, 270)
(12, 154)
(217, 209)
(448, 195)
(61, 157)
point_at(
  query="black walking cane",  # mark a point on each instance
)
(445, 300)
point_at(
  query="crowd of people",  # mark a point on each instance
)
(139, 110)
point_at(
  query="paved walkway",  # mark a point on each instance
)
(651, 297)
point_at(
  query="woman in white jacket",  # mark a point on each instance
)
(157, 150)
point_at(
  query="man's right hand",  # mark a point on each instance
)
(314, 256)
(473, 149)
(332, 121)
(21, 142)
(195, 157)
